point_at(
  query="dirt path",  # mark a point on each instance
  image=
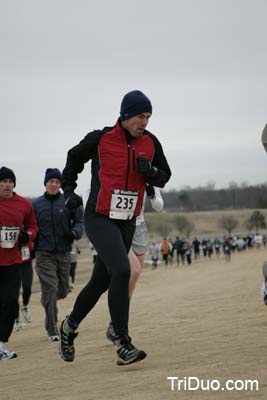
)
(205, 321)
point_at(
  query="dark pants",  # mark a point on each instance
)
(26, 272)
(196, 253)
(53, 270)
(26, 275)
(9, 292)
(73, 266)
(154, 262)
(165, 258)
(112, 240)
(188, 259)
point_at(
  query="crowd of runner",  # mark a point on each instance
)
(185, 251)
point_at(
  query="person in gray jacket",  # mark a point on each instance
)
(58, 227)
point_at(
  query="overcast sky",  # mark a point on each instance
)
(65, 66)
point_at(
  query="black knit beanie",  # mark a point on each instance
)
(134, 103)
(51, 173)
(6, 173)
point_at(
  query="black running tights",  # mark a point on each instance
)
(112, 240)
(26, 274)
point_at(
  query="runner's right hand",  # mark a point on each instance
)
(150, 191)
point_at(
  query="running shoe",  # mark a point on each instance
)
(66, 346)
(26, 314)
(6, 354)
(17, 325)
(128, 353)
(53, 338)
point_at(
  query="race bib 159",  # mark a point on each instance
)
(9, 236)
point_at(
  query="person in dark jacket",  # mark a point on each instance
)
(125, 158)
(58, 227)
(196, 246)
(178, 245)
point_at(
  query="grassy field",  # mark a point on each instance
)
(206, 222)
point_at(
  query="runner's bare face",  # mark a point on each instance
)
(137, 124)
(52, 186)
(6, 188)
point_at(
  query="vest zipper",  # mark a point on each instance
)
(128, 167)
(134, 159)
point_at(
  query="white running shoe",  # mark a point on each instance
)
(26, 314)
(53, 338)
(5, 354)
(17, 325)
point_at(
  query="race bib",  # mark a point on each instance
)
(123, 203)
(9, 236)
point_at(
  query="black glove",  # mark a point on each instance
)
(145, 167)
(150, 191)
(72, 200)
(69, 236)
(24, 237)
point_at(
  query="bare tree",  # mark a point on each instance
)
(228, 222)
(257, 220)
(233, 187)
(185, 200)
(249, 225)
(163, 229)
(181, 223)
(189, 228)
(210, 185)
